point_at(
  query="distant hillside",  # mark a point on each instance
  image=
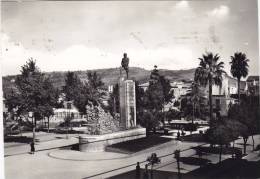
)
(110, 76)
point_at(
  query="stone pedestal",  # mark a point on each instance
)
(127, 104)
(98, 143)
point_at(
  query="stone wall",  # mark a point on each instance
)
(105, 122)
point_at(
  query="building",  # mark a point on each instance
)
(253, 85)
(110, 88)
(226, 94)
(181, 89)
(69, 110)
(144, 86)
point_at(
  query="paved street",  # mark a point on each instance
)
(65, 164)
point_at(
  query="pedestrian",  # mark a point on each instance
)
(137, 170)
(178, 135)
(32, 147)
(146, 176)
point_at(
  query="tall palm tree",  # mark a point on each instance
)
(209, 72)
(239, 68)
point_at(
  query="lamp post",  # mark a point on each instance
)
(68, 118)
(177, 157)
(33, 124)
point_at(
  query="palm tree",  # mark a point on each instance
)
(209, 72)
(239, 68)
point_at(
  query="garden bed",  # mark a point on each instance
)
(216, 150)
(18, 139)
(137, 145)
(193, 138)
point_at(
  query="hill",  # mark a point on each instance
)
(109, 76)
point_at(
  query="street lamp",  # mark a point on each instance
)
(68, 117)
(33, 124)
(177, 157)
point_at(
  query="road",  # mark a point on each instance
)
(78, 165)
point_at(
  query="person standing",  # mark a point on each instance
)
(32, 147)
(137, 170)
(146, 176)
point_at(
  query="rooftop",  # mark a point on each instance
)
(252, 78)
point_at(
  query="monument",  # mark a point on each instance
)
(127, 99)
(128, 128)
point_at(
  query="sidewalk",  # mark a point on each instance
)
(45, 141)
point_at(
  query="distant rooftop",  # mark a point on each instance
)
(252, 78)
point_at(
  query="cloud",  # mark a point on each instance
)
(81, 57)
(219, 12)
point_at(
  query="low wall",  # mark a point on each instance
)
(98, 143)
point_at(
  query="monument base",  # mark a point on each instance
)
(98, 143)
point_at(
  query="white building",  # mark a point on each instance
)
(223, 96)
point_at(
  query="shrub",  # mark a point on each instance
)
(191, 127)
(257, 147)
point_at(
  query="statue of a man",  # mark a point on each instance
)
(125, 63)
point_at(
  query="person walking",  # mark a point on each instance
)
(32, 147)
(146, 176)
(137, 170)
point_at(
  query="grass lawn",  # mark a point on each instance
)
(18, 139)
(194, 138)
(133, 146)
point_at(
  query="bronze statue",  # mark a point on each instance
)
(125, 63)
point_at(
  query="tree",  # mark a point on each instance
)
(139, 96)
(246, 115)
(172, 114)
(154, 76)
(219, 134)
(94, 80)
(35, 92)
(72, 86)
(209, 72)
(52, 95)
(192, 104)
(150, 103)
(176, 104)
(89, 95)
(239, 68)
(160, 83)
(95, 84)
(195, 99)
(235, 128)
(113, 101)
(167, 93)
(153, 101)
(152, 160)
(12, 102)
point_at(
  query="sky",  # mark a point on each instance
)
(81, 35)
